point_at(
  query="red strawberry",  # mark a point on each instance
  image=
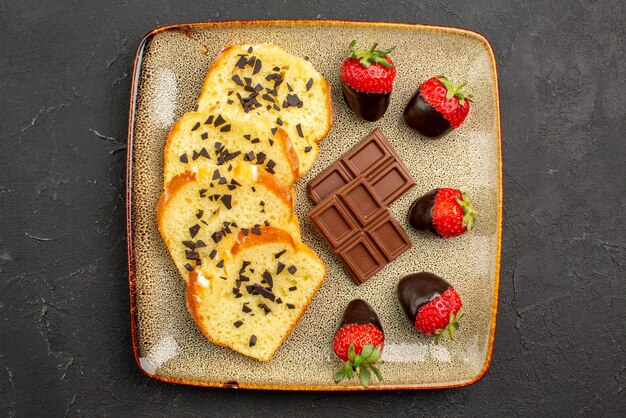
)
(367, 77)
(437, 107)
(431, 304)
(359, 342)
(446, 212)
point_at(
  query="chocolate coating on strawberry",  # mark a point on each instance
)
(421, 212)
(367, 80)
(367, 106)
(359, 311)
(437, 107)
(446, 212)
(424, 118)
(416, 290)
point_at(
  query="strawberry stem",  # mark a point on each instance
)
(470, 214)
(360, 365)
(370, 56)
(453, 323)
(454, 90)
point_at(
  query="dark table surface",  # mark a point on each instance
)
(65, 347)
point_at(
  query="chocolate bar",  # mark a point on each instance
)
(360, 229)
(375, 160)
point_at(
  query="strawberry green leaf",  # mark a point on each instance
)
(374, 356)
(351, 353)
(340, 374)
(469, 213)
(348, 370)
(358, 360)
(367, 350)
(364, 375)
(379, 376)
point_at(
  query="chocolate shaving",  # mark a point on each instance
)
(268, 278)
(196, 126)
(278, 254)
(309, 84)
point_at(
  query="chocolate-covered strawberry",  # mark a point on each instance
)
(445, 212)
(431, 304)
(437, 107)
(367, 79)
(359, 342)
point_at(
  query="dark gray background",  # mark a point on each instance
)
(64, 87)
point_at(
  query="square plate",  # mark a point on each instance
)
(169, 70)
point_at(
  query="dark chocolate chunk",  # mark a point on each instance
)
(220, 264)
(257, 67)
(291, 306)
(266, 293)
(276, 69)
(266, 223)
(191, 255)
(280, 267)
(309, 84)
(216, 174)
(200, 244)
(195, 155)
(299, 129)
(227, 201)
(194, 230)
(278, 254)
(268, 278)
(237, 80)
(279, 301)
(292, 288)
(209, 120)
(250, 50)
(255, 141)
(245, 309)
(225, 128)
(308, 149)
(184, 159)
(252, 342)
(200, 213)
(241, 62)
(190, 244)
(188, 267)
(204, 135)
(196, 126)
(244, 231)
(247, 136)
(274, 130)
(256, 231)
(219, 120)
(265, 308)
(222, 180)
(249, 156)
(279, 121)
(289, 87)
(213, 254)
(292, 269)
(237, 324)
(271, 141)
(203, 152)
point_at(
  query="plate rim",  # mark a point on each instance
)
(129, 163)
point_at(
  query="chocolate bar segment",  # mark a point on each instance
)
(360, 229)
(376, 160)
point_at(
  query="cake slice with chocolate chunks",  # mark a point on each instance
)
(198, 211)
(209, 140)
(264, 82)
(267, 283)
